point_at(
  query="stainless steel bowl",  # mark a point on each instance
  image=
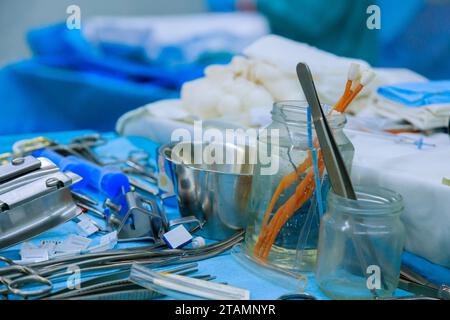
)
(215, 193)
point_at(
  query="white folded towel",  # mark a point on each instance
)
(417, 174)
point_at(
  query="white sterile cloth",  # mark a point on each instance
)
(329, 71)
(418, 176)
(243, 91)
(423, 118)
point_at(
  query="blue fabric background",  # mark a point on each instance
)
(70, 84)
(224, 267)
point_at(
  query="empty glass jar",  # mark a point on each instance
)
(291, 150)
(360, 245)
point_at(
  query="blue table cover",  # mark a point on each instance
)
(224, 267)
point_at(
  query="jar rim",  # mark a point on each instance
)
(371, 201)
(299, 107)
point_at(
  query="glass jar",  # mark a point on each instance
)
(301, 230)
(360, 245)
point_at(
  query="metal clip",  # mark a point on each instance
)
(144, 219)
(34, 197)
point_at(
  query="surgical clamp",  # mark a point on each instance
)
(14, 276)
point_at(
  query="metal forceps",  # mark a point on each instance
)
(79, 146)
(135, 163)
(334, 163)
(25, 146)
(82, 147)
(27, 275)
(337, 171)
(14, 276)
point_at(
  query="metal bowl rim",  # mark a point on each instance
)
(164, 147)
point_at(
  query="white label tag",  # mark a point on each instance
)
(177, 237)
(109, 238)
(73, 244)
(107, 242)
(31, 255)
(26, 246)
(86, 228)
(83, 217)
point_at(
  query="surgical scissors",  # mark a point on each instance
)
(136, 163)
(15, 276)
(27, 275)
(79, 146)
(25, 146)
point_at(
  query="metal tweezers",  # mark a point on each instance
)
(337, 171)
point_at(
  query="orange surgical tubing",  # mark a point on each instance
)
(352, 96)
(347, 92)
(305, 188)
(302, 193)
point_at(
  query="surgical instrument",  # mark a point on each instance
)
(138, 169)
(338, 175)
(34, 197)
(110, 282)
(14, 276)
(415, 283)
(182, 287)
(124, 290)
(22, 147)
(91, 209)
(143, 186)
(80, 146)
(107, 180)
(144, 219)
(185, 220)
(115, 287)
(83, 197)
(138, 216)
